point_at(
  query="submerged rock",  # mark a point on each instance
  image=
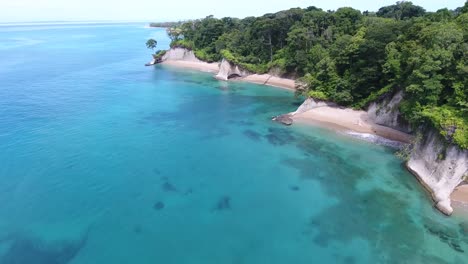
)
(224, 203)
(137, 229)
(294, 188)
(279, 136)
(464, 228)
(283, 119)
(32, 250)
(446, 235)
(158, 206)
(252, 135)
(168, 187)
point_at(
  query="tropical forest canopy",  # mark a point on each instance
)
(352, 57)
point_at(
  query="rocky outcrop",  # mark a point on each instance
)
(310, 104)
(284, 119)
(438, 165)
(228, 70)
(386, 113)
(180, 54)
(151, 63)
(440, 168)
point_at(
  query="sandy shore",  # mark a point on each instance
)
(194, 65)
(459, 199)
(350, 119)
(265, 79)
(460, 194)
(270, 80)
(357, 121)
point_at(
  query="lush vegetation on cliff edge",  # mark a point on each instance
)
(353, 58)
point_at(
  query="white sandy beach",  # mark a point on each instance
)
(194, 65)
(350, 119)
(459, 199)
(460, 195)
(265, 79)
(270, 80)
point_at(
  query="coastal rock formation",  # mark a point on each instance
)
(386, 113)
(228, 70)
(180, 54)
(151, 63)
(284, 119)
(310, 104)
(439, 167)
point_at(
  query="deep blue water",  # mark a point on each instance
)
(103, 160)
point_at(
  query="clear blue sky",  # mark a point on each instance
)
(163, 10)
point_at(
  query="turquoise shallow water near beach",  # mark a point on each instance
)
(105, 161)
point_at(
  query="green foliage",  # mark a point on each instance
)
(164, 24)
(151, 44)
(318, 95)
(452, 123)
(182, 43)
(401, 10)
(352, 58)
(205, 55)
(255, 68)
(374, 96)
(159, 54)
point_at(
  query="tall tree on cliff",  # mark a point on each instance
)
(151, 44)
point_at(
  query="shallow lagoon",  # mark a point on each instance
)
(106, 161)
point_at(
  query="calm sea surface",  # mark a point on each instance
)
(103, 160)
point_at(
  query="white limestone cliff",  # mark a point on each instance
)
(228, 70)
(439, 166)
(386, 113)
(180, 54)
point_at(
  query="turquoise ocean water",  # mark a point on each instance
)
(103, 160)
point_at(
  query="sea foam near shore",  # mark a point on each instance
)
(376, 139)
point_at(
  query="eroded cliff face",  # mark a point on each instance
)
(311, 103)
(228, 70)
(180, 54)
(386, 113)
(440, 167)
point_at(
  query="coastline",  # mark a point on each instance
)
(270, 80)
(263, 79)
(337, 118)
(193, 65)
(334, 117)
(459, 199)
(349, 119)
(460, 194)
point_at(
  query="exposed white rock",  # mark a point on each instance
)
(440, 167)
(151, 63)
(311, 103)
(180, 54)
(227, 70)
(386, 113)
